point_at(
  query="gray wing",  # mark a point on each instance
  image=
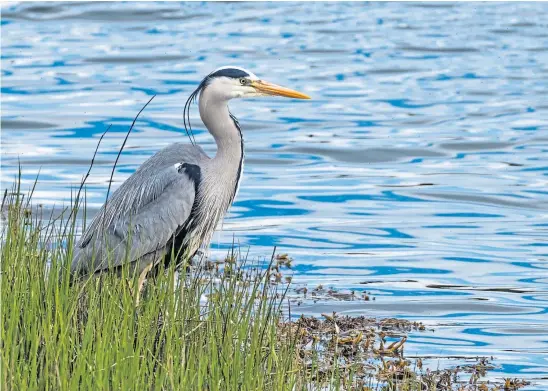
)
(144, 213)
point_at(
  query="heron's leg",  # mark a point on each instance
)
(142, 278)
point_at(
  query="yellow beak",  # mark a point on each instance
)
(273, 89)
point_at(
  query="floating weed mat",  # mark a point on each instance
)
(213, 326)
(363, 353)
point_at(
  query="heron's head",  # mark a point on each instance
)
(232, 82)
(228, 83)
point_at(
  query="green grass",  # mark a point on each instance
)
(93, 335)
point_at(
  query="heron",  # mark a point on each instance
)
(169, 208)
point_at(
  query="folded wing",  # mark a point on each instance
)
(141, 216)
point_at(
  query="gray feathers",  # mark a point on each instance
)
(143, 213)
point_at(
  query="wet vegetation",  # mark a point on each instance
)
(216, 325)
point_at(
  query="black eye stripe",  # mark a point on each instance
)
(230, 72)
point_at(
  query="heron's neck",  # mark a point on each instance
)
(216, 117)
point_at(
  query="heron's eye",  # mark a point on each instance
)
(243, 82)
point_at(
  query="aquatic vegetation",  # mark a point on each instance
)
(219, 325)
(364, 353)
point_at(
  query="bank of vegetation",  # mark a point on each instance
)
(217, 325)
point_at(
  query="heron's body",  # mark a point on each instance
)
(174, 200)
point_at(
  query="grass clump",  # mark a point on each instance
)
(205, 330)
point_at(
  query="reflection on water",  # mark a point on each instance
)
(418, 172)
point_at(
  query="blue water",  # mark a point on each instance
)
(418, 172)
